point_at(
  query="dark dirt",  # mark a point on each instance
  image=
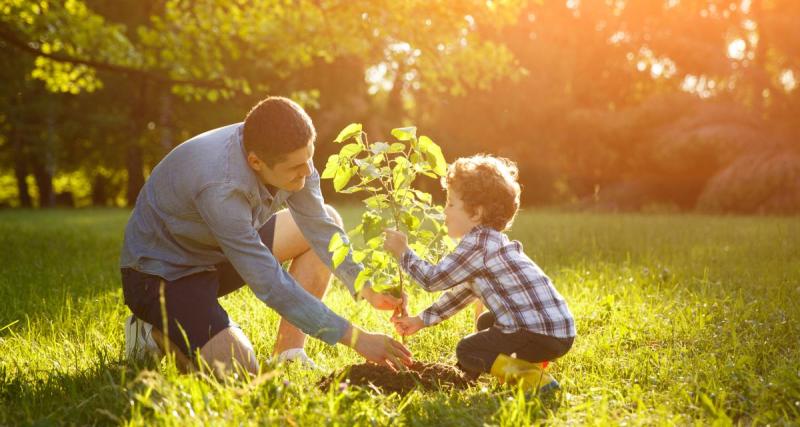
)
(428, 376)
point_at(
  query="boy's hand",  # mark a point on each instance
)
(396, 242)
(407, 325)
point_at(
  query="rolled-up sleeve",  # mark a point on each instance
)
(450, 303)
(228, 215)
(308, 210)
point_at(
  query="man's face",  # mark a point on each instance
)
(290, 174)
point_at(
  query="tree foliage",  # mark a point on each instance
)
(589, 97)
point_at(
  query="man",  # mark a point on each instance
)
(206, 222)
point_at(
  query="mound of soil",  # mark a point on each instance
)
(428, 376)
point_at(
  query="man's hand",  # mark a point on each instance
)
(396, 242)
(406, 325)
(382, 301)
(377, 348)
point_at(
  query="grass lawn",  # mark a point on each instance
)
(681, 319)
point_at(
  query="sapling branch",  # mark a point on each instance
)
(387, 172)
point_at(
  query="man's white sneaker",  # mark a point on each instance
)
(139, 340)
(298, 355)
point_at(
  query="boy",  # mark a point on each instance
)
(526, 315)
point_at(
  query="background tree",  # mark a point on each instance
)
(608, 105)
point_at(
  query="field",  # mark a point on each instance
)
(682, 319)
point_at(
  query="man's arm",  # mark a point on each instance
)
(229, 217)
(308, 210)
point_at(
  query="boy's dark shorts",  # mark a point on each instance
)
(193, 313)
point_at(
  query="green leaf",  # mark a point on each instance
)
(430, 175)
(377, 160)
(350, 150)
(368, 169)
(373, 225)
(417, 247)
(335, 243)
(330, 167)
(339, 256)
(379, 147)
(434, 155)
(405, 134)
(400, 172)
(375, 242)
(359, 256)
(343, 175)
(410, 221)
(356, 231)
(348, 132)
(377, 202)
(426, 235)
(397, 147)
(351, 190)
(379, 258)
(362, 278)
(423, 196)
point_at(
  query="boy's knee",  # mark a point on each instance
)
(228, 348)
(473, 358)
(465, 355)
(334, 214)
(485, 321)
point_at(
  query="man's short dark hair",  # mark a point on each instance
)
(275, 127)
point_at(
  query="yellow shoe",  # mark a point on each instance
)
(530, 375)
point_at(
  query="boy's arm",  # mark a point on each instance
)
(450, 303)
(466, 262)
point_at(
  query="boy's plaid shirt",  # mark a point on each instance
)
(487, 265)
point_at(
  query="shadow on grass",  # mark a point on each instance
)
(100, 395)
(494, 405)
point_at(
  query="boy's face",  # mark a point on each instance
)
(458, 221)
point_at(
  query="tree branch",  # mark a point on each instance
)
(9, 37)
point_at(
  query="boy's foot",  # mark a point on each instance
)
(139, 340)
(532, 375)
(298, 355)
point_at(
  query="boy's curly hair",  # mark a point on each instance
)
(488, 182)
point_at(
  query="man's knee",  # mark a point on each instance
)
(334, 214)
(228, 348)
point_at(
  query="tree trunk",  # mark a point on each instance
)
(20, 157)
(99, 190)
(44, 180)
(21, 170)
(165, 119)
(134, 162)
(135, 167)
